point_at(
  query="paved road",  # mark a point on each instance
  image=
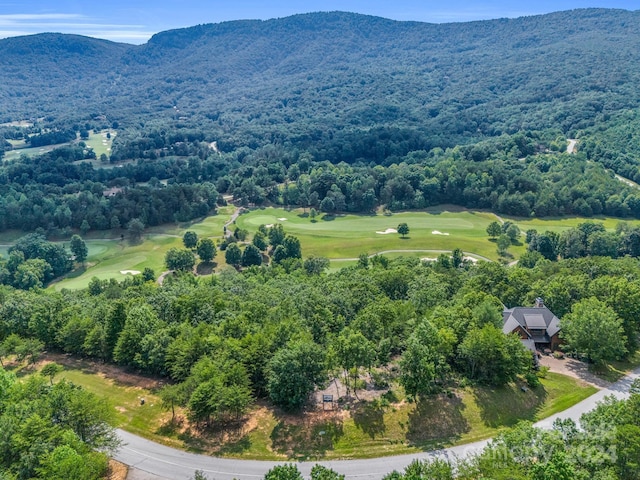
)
(384, 252)
(168, 463)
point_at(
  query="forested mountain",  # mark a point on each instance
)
(327, 78)
(335, 111)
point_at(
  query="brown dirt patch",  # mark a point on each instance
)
(117, 470)
(118, 374)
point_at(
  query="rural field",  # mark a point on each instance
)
(340, 238)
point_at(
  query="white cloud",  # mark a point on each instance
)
(30, 23)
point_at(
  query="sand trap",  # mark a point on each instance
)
(388, 231)
(428, 259)
(437, 232)
(132, 272)
(471, 259)
(269, 226)
(282, 219)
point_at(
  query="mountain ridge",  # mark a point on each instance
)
(318, 73)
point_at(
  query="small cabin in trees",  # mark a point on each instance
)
(537, 326)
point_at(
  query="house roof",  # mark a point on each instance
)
(539, 323)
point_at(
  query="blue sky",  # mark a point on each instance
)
(135, 21)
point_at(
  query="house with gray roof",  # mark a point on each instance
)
(537, 326)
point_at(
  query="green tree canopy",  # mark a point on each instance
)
(594, 329)
(78, 248)
(190, 239)
(403, 229)
(494, 229)
(233, 254)
(293, 373)
(179, 259)
(206, 249)
(251, 256)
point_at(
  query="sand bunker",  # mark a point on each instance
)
(132, 272)
(437, 232)
(388, 231)
(471, 259)
(282, 219)
(269, 226)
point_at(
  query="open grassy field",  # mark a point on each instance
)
(109, 257)
(98, 141)
(341, 238)
(386, 426)
(346, 236)
(561, 224)
(19, 149)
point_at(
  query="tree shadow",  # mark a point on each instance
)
(405, 238)
(222, 438)
(506, 406)
(369, 417)
(436, 421)
(76, 272)
(170, 428)
(307, 437)
(206, 268)
(303, 215)
(328, 217)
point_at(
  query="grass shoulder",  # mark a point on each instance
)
(388, 425)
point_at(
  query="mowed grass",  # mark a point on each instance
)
(100, 143)
(344, 237)
(130, 414)
(340, 238)
(30, 152)
(120, 390)
(560, 224)
(109, 257)
(347, 236)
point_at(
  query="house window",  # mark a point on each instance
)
(537, 332)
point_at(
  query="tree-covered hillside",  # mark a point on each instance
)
(332, 111)
(323, 80)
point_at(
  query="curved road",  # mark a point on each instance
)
(169, 463)
(475, 255)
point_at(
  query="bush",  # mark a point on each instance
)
(542, 372)
(380, 380)
(532, 379)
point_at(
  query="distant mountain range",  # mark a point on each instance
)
(310, 77)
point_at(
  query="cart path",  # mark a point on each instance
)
(475, 255)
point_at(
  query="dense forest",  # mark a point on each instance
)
(326, 111)
(279, 332)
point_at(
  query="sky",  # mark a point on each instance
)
(134, 21)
